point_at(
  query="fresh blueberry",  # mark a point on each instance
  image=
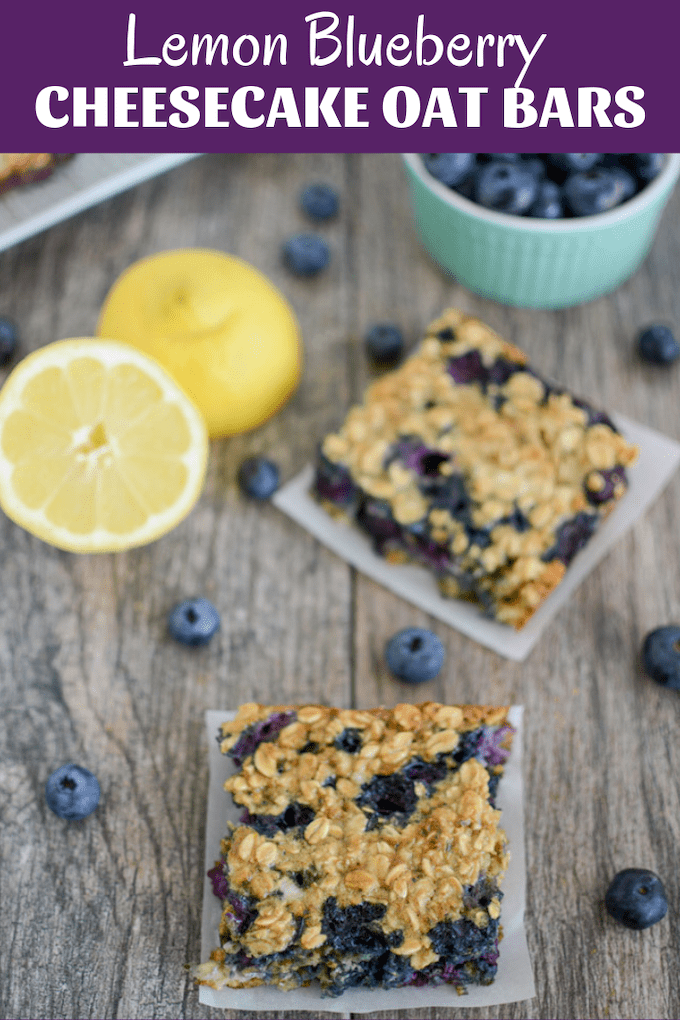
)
(72, 792)
(320, 201)
(9, 338)
(645, 165)
(415, 655)
(574, 162)
(661, 656)
(385, 343)
(597, 190)
(658, 345)
(451, 168)
(506, 187)
(193, 622)
(306, 254)
(548, 204)
(258, 477)
(636, 898)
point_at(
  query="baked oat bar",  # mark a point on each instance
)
(369, 852)
(18, 168)
(466, 461)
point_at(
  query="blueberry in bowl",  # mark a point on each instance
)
(636, 898)
(555, 251)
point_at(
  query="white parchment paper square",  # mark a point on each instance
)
(514, 980)
(659, 458)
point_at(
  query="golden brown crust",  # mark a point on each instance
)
(415, 870)
(18, 168)
(518, 443)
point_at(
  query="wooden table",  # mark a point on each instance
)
(99, 919)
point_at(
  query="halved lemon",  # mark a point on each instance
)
(100, 449)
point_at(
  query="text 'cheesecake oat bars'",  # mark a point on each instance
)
(369, 853)
(466, 461)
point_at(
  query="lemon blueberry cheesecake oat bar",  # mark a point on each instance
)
(18, 168)
(369, 852)
(466, 461)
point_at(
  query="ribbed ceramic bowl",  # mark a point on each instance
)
(535, 263)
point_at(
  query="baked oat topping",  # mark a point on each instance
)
(369, 851)
(466, 460)
(18, 168)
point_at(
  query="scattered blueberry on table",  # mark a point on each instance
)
(414, 655)
(320, 201)
(258, 477)
(194, 622)
(546, 185)
(9, 339)
(636, 898)
(306, 254)
(385, 344)
(658, 345)
(661, 656)
(72, 792)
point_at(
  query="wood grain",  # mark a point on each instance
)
(99, 918)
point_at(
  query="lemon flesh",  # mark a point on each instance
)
(221, 329)
(100, 450)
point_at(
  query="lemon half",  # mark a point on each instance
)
(100, 449)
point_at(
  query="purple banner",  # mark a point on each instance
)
(324, 76)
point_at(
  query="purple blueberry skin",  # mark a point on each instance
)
(636, 898)
(72, 792)
(661, 656)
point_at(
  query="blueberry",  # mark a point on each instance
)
(415, 655)
(661, 656)
(574, 162)
(598, 190)
(636, 898)
(258, 477)
(506, 187)
(320, 201)
(9, 338)
(384, 343)
(451, 168)
(548, 204)
(306, 254)
(72, 792)
(658, 345)
(193, 622)
(645, 165)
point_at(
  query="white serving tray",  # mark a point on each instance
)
(85, 180)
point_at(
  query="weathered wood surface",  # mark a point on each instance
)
(98, 919)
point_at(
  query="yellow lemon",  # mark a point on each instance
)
(220, 328)
(100, 449)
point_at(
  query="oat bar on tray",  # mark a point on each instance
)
(369, 852)
(466, 461)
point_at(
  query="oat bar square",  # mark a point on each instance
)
(465, 460)
(369, 852)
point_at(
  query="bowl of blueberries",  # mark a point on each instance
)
(540, 230)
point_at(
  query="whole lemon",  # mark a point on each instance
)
(221, 328)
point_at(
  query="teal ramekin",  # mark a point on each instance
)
(533, 263)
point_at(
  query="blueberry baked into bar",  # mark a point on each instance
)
(368, 853)
(465, 460)
(17, 168)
